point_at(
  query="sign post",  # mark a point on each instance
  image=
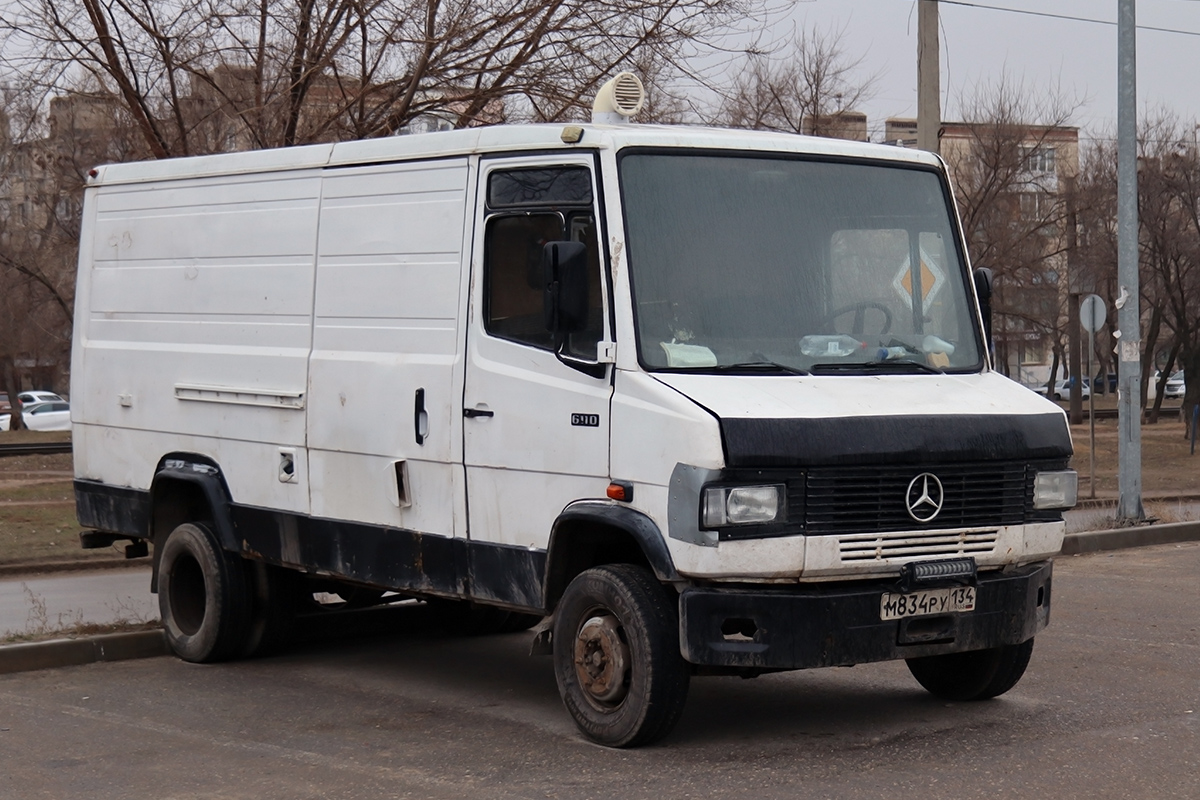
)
(1092, 314)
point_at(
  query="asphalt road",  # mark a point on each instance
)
(63, 599)
(1110, 708)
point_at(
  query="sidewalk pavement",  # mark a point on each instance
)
(45, 603)
(34, 605)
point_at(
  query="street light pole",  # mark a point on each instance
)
(929, 105)
(1129, 508)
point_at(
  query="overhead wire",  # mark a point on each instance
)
(1068, 17)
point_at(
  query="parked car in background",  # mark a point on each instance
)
(1062, 389)
(32, 398)
(1175, 386)
(5, 405)
(47, 416)
(54, 416)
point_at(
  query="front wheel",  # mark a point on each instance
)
(202, 596)
(974, 675)
(616, 656)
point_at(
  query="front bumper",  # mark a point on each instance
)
(826, 626)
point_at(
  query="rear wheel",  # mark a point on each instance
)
(616, 656)
(272, 594)
(202, 596)
(975, 675)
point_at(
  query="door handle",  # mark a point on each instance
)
(477, 412)
(420, 417)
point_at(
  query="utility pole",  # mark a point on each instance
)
(929, 103)
(1129, 373)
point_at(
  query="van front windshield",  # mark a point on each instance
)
(787, 265)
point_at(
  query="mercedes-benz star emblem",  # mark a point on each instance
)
(924, 497)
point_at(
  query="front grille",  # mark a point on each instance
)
(858, 547)
(873, 499)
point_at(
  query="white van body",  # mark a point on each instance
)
(300, 351)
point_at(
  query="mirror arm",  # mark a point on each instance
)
(594, 369)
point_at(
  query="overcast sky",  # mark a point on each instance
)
(980, 44)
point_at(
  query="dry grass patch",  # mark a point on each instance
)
(1168, 468)
(33, 490)
(45, 532)
(37, 507)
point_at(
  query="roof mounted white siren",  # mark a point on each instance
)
(618, 100)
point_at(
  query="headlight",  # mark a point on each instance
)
(742, 505)
(1055, 489)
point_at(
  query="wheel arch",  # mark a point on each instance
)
(593, 533)
(188, 487)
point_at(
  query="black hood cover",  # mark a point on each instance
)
(911, 439)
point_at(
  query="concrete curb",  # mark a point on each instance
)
(52, 567)
(83, 650)
(1134, 536)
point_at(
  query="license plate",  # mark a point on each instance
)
(930, 601)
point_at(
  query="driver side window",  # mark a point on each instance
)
(527, 209)
(513, 288)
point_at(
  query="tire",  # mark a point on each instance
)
(616, 656)
(202, 596)
(272, 593)
(975, 675)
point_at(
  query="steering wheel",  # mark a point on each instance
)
(860, 313)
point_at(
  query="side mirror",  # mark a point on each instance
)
(983, 290)
(564, 274)
(983, 284)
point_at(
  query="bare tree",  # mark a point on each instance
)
(1012, 160)
(44, 159)
(1169, 247)
(225, 74)
(807, 89)
(1169, 220)
(1096, 230)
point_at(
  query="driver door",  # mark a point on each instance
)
(535, 429)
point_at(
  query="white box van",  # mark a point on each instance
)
(718, 402)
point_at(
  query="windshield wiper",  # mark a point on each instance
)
(756, 366)
(876, 367)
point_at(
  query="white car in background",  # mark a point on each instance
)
(34, 398)
(1175, 386)
(46, 416)
(1062, 389)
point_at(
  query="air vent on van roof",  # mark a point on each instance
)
(619, 99)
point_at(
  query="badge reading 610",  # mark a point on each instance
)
(585, 420)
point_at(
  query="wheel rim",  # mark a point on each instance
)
(602, 660)
(188, 594)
